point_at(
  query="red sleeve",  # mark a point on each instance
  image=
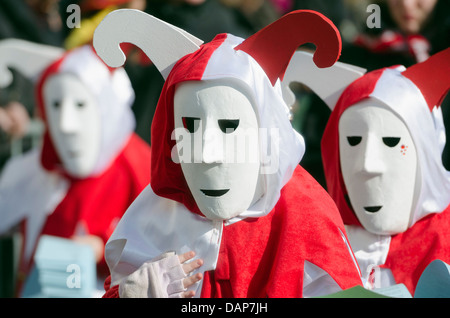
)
(110, 292)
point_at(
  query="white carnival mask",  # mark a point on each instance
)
(217, 132)
(73, 122)
(379, 166)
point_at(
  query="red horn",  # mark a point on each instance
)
(432, 77)
(273, 46)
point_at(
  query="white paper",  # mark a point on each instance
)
(222, 170)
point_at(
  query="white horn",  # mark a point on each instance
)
(29, 58)
(162, 42)
(328, 83)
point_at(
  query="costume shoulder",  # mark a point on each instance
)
(304, 196)
(137, 150)
(311, 217)
(408, 257)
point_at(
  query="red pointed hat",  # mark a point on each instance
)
(273, 46)
(432, 77)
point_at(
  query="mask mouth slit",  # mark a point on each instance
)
(373, 209)
(73, 153)
(214, 193)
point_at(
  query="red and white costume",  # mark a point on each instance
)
(39, 194)
(414, 95)
(289, 243)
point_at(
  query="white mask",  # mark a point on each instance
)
(73, 122)
(211, 121)
(379, 166)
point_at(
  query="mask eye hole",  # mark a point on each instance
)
(56, 104)
(391, 141)
(354, 140)
(228, 125)
(80, 104)
(191, 123)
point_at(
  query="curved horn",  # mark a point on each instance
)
(29, 58)
(273, 46)
(162, 42)
(327, 83)
(432, 77)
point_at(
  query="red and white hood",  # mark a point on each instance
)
(114, 94)
(272, 113)
(254, 62)
(414, 94)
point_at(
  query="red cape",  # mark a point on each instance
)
(412, 251)
(264, 257)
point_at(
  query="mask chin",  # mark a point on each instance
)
(80, 169)
(225, 207)
(220, 214)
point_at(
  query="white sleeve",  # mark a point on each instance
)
(317, 282)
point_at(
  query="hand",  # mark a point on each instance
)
(6, 122)
(95, 242)
(189, 267)
(165, 276)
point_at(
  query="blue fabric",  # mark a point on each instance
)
(62, 269)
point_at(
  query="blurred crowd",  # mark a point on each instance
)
(407, 32)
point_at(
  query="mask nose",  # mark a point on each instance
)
(212, 146)
(69, 119)
(372, 160)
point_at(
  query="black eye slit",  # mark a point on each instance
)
(191, 123)
(80, 104)
(228, 125)
(354, 140)
(391, 141)
(56, 104)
